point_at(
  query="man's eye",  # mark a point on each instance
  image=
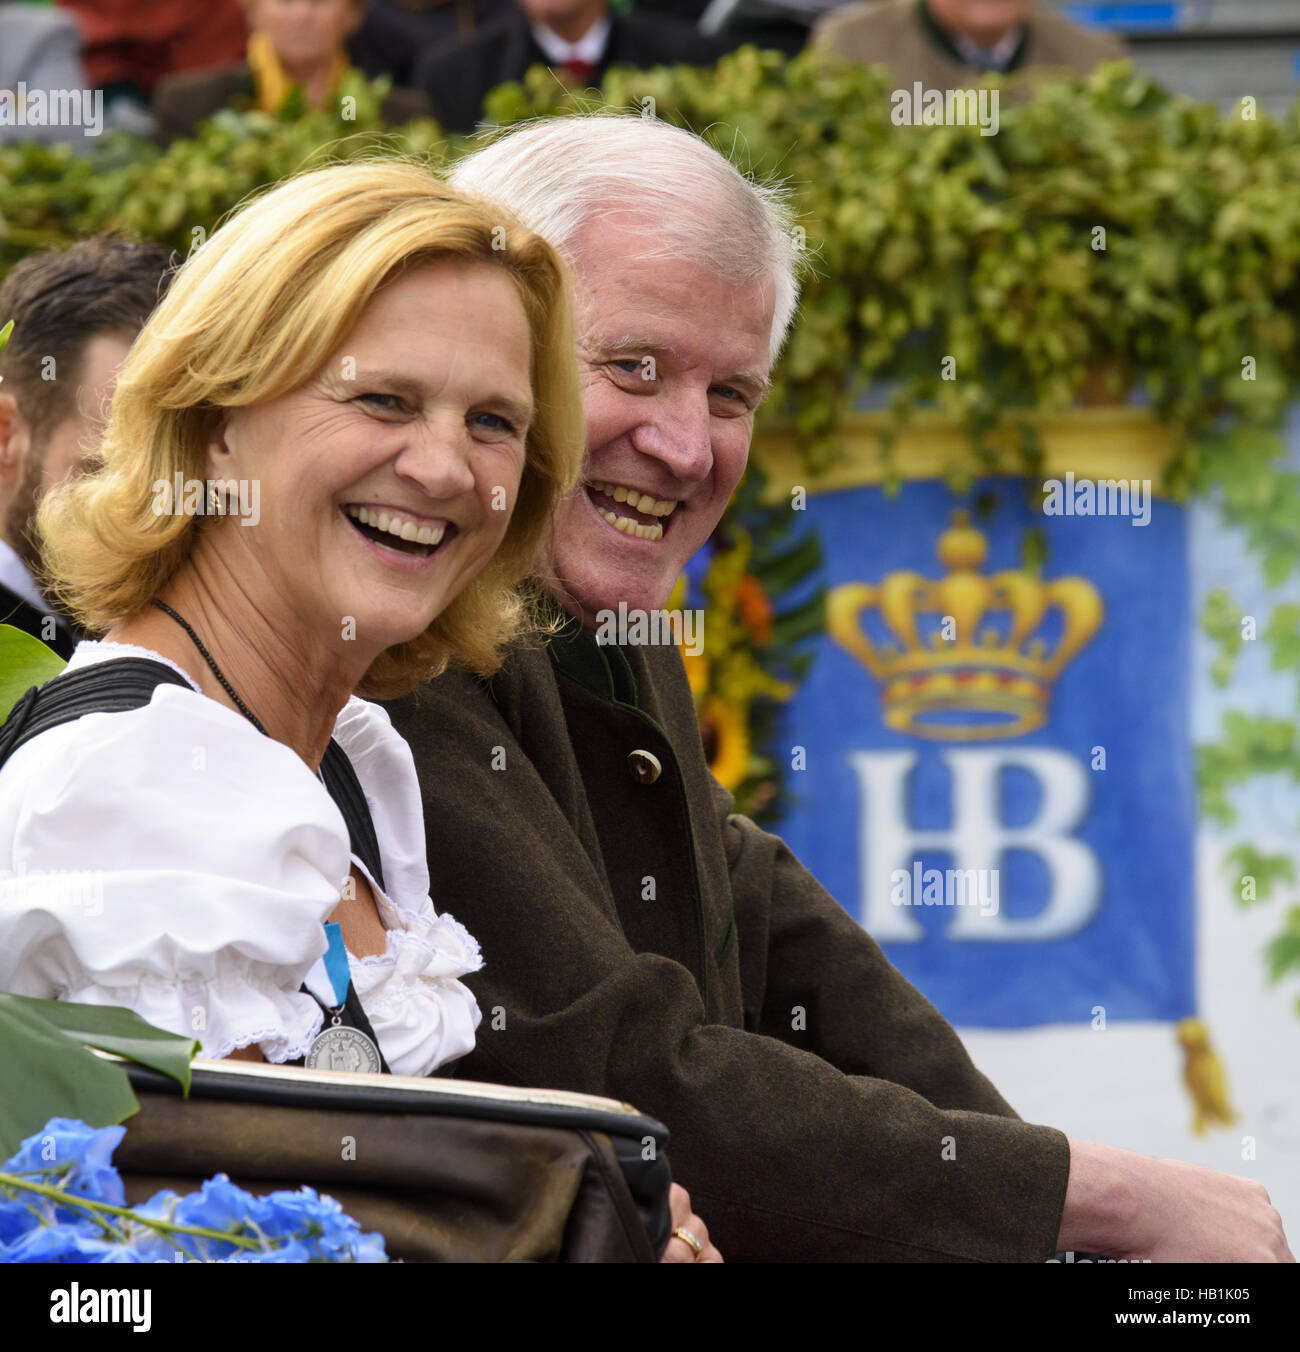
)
(632, 365)
(729, 392)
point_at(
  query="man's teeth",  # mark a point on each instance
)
(643, 502)
(394, 523)
(630, 527)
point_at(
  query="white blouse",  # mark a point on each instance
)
(174, 860)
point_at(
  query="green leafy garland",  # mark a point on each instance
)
(1111, 240)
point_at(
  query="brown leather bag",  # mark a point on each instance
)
(446, 1170)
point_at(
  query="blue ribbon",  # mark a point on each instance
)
(336, 963)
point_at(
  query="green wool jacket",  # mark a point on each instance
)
(643, 942)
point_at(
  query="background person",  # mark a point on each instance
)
(951, 44)
(39, 48)
(129, 47)
(76, 313)
(291, 44)
(394, 32)
(578, 39)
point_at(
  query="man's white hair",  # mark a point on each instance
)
(557, 174)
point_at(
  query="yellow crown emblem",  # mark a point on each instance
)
(977, 671)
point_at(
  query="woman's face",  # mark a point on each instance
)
(387, 481)
(306, 32)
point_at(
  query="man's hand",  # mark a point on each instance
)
(678, 1250)
(1132, 1206)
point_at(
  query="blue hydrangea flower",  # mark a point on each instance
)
(293, 1252)
(71, 1155)
(290, 1227)
(328, 1234)
(218, 1205)
(64, 1244)
(369, 1249)
(19, 1214)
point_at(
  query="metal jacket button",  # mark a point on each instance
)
(645, 767)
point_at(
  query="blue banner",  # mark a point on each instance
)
(996, 771)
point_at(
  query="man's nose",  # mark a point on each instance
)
(678, 432)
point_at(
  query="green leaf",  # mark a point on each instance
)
(784, 571)
(44, 1074)
(1244, 861)
(46, 1071)
(120, 1031)
(804, 621)
(1283, 952)
(24, 662)
(4, 334)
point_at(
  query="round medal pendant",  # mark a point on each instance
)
(342, 1048)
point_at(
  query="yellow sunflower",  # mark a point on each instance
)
(726, 742)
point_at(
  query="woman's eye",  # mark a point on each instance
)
(394, 402)
(495, 423)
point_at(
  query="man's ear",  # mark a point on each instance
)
(14, 437)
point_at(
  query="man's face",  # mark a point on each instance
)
(674, 362)
(564, 15)
(984, 21)
(66, 450)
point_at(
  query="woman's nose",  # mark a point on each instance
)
(438, 459)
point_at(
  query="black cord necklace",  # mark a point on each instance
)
(216, 670)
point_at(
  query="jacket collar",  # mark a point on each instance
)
(942, 39)
(601, 668)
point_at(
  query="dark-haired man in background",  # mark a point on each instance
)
(75, 314)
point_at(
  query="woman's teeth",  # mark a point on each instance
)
(394, 523)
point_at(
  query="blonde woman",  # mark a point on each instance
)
(334, 449)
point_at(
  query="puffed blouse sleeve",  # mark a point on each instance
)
(172, 860)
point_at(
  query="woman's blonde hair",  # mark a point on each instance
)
(255, 313)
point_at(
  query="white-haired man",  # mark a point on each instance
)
(641, 940)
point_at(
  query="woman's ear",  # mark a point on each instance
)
(214, 436)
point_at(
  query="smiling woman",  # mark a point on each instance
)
(384, 367)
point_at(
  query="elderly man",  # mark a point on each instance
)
(641, 940)
(75, 314)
